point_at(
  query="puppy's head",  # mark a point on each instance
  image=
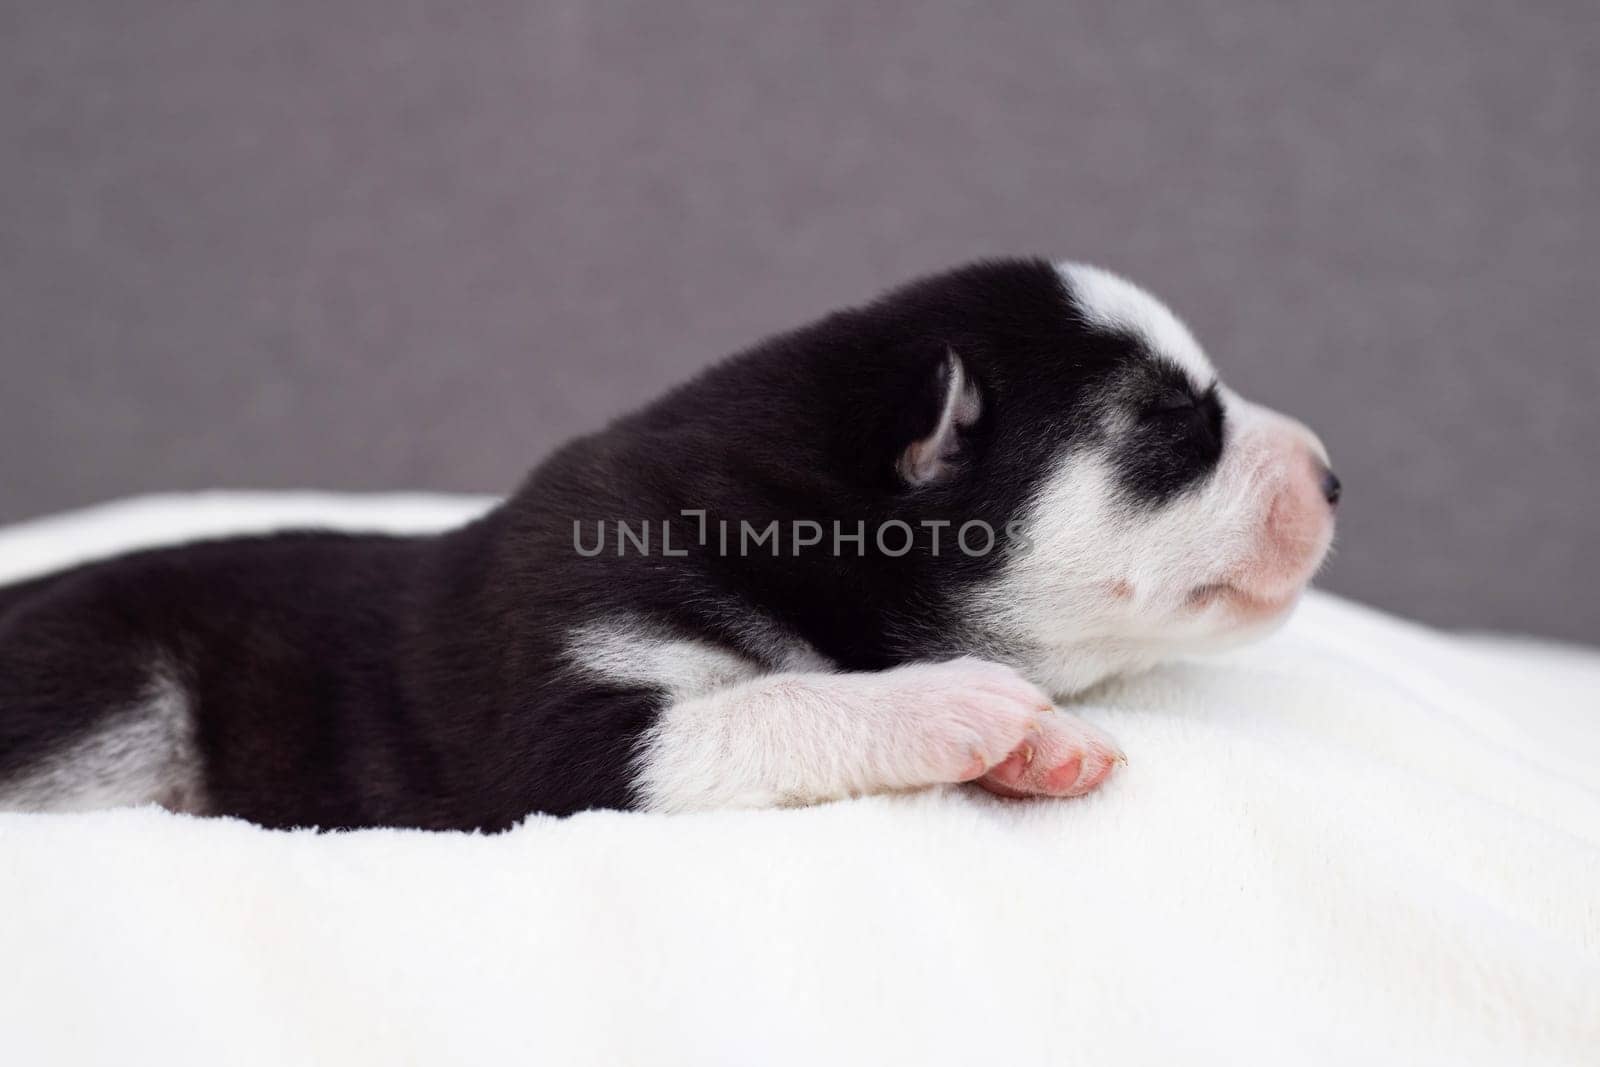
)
(1153, 510)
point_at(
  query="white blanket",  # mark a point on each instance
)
(1360, 841)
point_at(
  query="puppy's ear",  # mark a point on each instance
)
(933, 457)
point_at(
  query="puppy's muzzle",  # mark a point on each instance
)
(1298, 492)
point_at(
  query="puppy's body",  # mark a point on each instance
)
(468, 679)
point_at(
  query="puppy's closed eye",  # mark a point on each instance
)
(1182, 414)
(1173, 402)
(1176, 399)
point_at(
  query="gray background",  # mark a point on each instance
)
(382, 244)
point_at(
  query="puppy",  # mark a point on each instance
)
(861, 556)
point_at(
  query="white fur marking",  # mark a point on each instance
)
(1112, 302)
(142, 755)
(631, 652)
(632, 655)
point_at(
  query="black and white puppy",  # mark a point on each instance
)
(861, 556)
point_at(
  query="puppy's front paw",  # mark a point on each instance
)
(961, 718)
(1065, 757)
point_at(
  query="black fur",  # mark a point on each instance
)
(343, 681)
(1177, 440)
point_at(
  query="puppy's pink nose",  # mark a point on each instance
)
(1332, 488)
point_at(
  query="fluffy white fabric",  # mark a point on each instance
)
(1361, 841)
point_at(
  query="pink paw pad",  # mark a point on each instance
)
(1064, 757)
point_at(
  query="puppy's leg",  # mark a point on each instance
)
(803, 738)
